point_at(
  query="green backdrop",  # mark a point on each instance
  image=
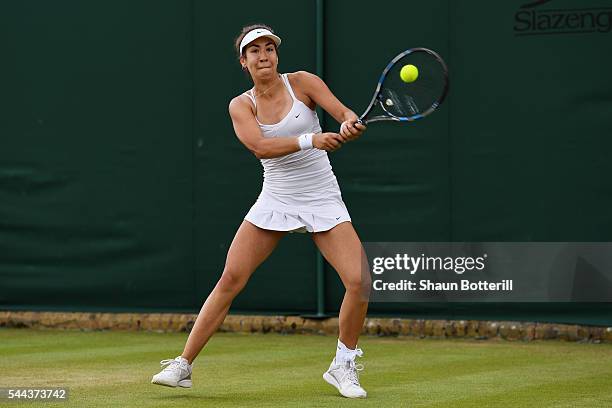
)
(122, 183)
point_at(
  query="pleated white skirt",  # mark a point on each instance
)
(312, 211)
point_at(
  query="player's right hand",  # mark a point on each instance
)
(327, 141)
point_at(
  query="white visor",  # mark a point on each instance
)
(257, 33)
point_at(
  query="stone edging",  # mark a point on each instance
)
(419, 328)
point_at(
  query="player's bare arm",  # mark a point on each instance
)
(248, 132)
(316, 90)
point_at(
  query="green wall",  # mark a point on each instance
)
(95, 154)
(122, 183)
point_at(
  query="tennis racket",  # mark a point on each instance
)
(397, 100)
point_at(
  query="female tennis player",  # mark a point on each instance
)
(277, 122)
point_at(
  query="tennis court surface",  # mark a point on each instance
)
(113, 368)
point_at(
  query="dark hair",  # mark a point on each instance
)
(245, 30)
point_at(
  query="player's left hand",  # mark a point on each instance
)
(350, 129)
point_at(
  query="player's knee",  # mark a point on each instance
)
(232, 280)
(360, 285)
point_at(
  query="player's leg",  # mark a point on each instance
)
(342, 248)
(250, 247)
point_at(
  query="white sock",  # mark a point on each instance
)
(344, 353)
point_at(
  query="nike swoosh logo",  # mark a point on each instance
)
(298, 115)
(337, 218)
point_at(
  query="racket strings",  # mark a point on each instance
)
(408, 99)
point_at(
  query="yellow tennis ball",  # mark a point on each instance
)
(409, 73)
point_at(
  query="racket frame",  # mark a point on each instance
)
(377, 98)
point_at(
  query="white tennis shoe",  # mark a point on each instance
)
(345, 377)
(176, 372)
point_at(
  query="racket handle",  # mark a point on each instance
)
(361, 122)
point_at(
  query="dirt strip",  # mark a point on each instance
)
(418, 328)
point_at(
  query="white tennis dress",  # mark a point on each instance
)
(300, 192)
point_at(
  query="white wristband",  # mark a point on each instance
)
(305, 141)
